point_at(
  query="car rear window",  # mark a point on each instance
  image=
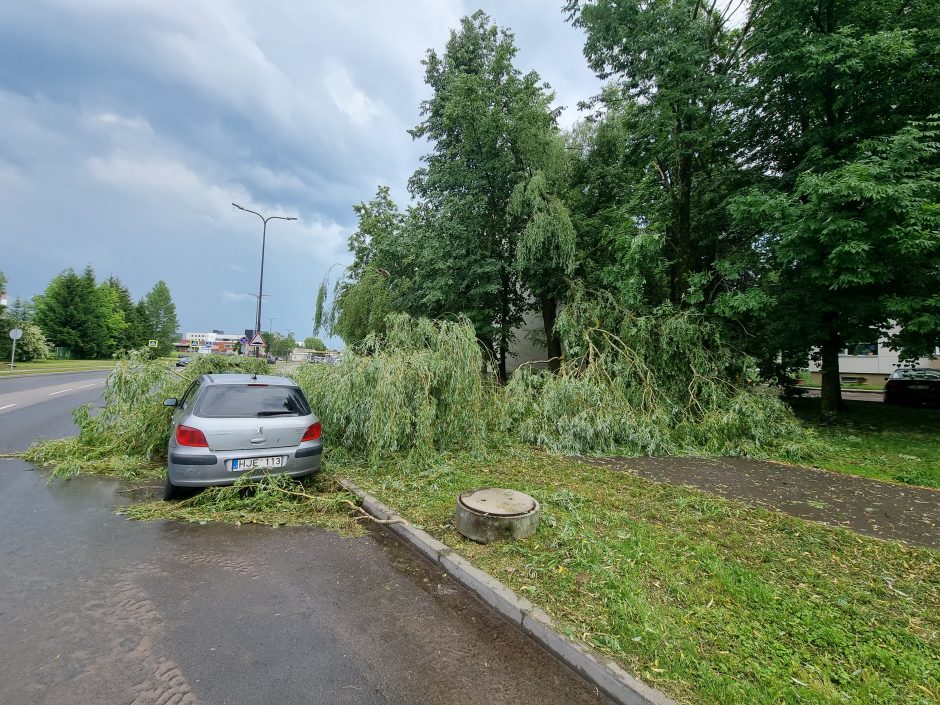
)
(916, 374)
(248, 401)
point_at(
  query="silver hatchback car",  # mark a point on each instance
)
(229, 425)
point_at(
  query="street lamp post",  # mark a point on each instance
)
(264, 235)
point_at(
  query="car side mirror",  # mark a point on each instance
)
(170, 402)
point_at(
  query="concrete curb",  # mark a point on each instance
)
(603, 673)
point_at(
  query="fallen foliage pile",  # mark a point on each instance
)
(660, 385)
(130, 432)
(273, 500)
(418, 390)
(657, 385)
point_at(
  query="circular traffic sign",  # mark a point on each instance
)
(16, 333)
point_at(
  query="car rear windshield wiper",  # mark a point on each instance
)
(277, 413)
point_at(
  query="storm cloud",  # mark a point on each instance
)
(128, 127)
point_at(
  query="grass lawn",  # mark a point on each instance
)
(707, 599)
(50, 366)
(882, 441)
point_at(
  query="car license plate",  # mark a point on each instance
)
(276, 461)
(918, 386)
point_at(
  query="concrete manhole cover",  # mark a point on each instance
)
(494, 513)
(504, 503)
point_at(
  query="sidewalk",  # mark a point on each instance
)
(881, 509)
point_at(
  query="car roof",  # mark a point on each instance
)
(272, 380)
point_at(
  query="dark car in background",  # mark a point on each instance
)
(183, 360)
(918, 385)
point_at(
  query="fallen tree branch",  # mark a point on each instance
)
(363, 512)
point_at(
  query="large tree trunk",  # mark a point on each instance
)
(682, 264)
(831, 385)
(489, 355)
(549, 316)
(503, 325)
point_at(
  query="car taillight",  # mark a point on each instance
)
(312, 433)
(191, 437)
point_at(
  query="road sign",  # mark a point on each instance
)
(153, 343)
(243, 340)
(207, 345)
(257, 341)
(194, 344)
(15, 334)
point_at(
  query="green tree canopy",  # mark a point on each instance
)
(492, 131)
(132, 335)
(856, 251)
(279, 345)
(314, 343)
(158, 313)
(672, 68)
(72, 313)
(374, 284)
(837, 99)
(18, 314)
(21, 310)
(31, 346)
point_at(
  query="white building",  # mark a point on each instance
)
(218, 342)
(869, 363)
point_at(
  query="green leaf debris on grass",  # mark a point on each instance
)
(709, 599)
(661, 384)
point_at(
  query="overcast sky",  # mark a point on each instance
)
(127, 127)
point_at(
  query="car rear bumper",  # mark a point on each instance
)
(199, 467)
(913, 398)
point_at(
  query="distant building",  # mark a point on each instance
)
(214, 341)
(869, 363)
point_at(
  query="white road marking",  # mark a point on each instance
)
(62, 391)
(6, 407)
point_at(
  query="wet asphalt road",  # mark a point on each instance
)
(97, 609)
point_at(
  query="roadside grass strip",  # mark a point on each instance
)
(53, 366)
(886, 442)
(707, 599)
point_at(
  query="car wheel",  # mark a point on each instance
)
(171, 491)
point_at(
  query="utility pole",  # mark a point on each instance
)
(264, 235)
